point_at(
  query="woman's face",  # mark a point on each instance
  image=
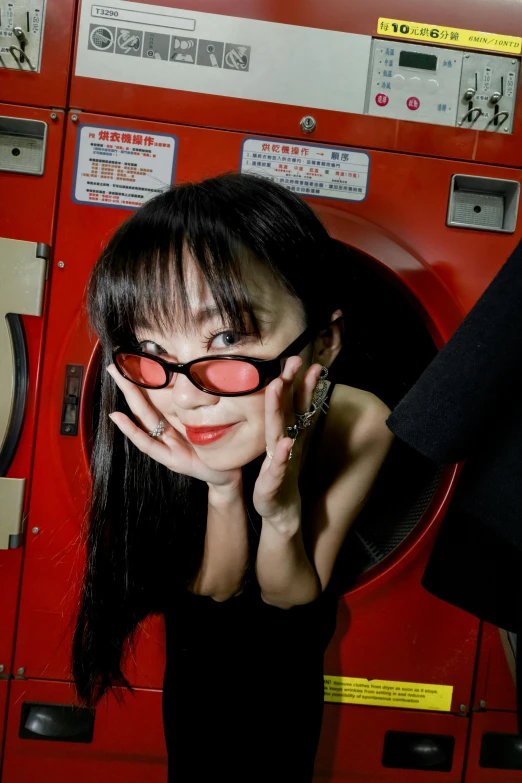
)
(187, 408)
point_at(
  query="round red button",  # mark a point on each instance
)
(413, 103)
(381, 99)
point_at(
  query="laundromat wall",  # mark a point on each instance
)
(399, 123)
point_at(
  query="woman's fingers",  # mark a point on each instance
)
(279, 463)
(139, 405)
(291, 368)
(150, 446)
(170, 449)
(290, 371)
(146, 416)
(304, 394)
(275, 427)
(279, 413)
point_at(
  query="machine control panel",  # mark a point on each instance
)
(442, 86)
(21, 33)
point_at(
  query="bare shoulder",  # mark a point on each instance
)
(355, 425)
(352, 408)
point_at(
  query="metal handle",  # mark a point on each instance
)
(13, 431)
(56, 722)
(469, 113)
(501, 114)
(23, 57)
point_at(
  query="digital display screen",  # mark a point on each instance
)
(425, 62)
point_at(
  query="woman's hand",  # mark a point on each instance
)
(170, 448)
(276, 492)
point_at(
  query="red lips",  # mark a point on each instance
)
(201, 436)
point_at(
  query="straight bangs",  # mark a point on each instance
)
(140, 280)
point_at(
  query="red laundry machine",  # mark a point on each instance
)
(35, 52)
(422, 188)
(494, 739)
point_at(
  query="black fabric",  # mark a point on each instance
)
(467, 405)
(243, 690)
(475, 569)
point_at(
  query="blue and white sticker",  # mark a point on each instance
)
(308, 170)
(122, 168)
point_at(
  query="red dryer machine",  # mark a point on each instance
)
(427, 204)
(494, 726)
(34, 72)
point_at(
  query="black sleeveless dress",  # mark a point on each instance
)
(243, 687)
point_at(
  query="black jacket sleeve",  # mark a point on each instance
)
(461, 391)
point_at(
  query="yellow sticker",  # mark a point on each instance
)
(449, 36)
(388, 693)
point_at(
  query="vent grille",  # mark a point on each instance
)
(479, 209)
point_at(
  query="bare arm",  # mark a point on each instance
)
(286, 574)
(337, 509)
(225, 554)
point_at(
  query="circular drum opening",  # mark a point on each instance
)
(387, 347)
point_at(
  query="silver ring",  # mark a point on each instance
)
(156, 432)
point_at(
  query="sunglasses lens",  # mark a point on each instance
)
(141, 370)
(226, 376)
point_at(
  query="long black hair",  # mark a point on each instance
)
(146, 524)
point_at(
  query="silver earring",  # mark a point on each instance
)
(304, 420)
(320, 392)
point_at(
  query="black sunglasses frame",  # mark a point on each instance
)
(268, 369)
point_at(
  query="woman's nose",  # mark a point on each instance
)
(185, 395)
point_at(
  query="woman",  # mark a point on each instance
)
(221, 491)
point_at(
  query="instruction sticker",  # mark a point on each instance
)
(178, 49)
(388, 693)
(449, 36)
(321, 172)
(115, 167)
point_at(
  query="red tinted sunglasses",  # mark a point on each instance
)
(223, 376)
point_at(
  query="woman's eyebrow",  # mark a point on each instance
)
(211, 312)
(197, 318)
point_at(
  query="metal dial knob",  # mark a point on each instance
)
(20, 35)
